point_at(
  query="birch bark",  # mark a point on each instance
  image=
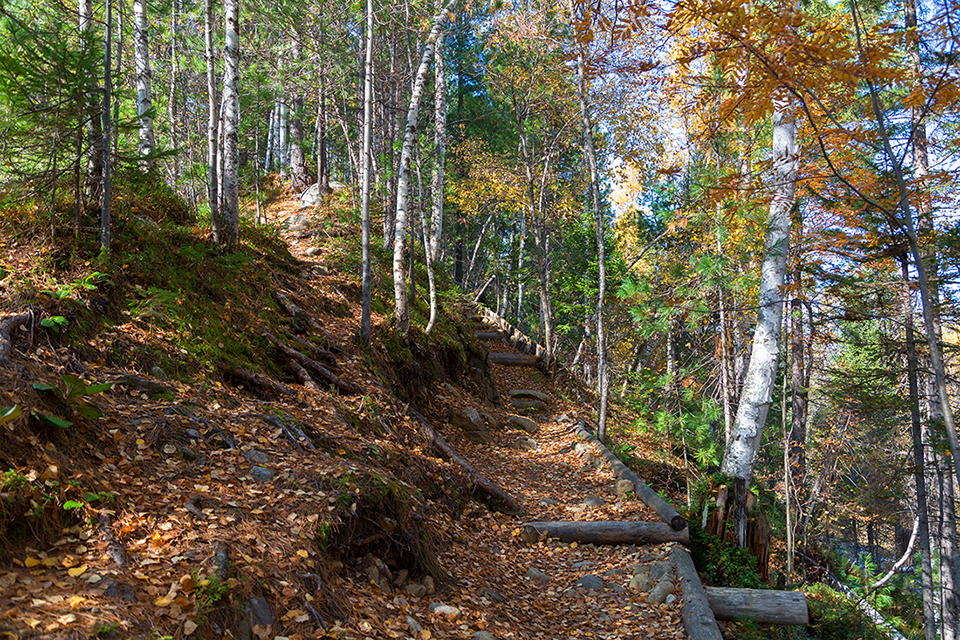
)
(365, 164)
(213, 113)
(400, 248)
(141, 54)
(231, 120)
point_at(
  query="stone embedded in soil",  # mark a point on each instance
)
(526, 424)
(660, 592)
(593, 501)
(313, 251)
(298, 222)
(440, 609)
(261, 474)
(468, 420)
(416, 589)
(533, 405)
(414, 626)
(529, 393)
(257, 612)
(591, 582)
(258, 457)
(158, 373)
(586, 564)
(429, 584)
(623, 487)
(525, 444)
(547, 502)
(641, 582)
(538, 575)
(483, 635)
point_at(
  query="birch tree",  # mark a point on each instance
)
(433, 228)
(105, 138)
(365, 164)
(226, 235)
(400, 248)
(213, 113)
(141, 54)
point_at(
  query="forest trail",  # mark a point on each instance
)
(203, 508)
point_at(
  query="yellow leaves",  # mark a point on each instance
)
(30, 562)
(76, 572)
(303, 553)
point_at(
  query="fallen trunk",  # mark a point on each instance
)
(256, 380)
(647, 495)
(763, 606)
(311, 364)
(436, 440)
(698, 618)
(513, 359)
(490, 335)
(604, 532)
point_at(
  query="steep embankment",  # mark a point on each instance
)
(258, 473)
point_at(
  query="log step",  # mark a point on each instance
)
(490, 335)
(763, 606)
(513, 359)
(604, 532)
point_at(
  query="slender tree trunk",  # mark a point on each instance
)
(757, 393)
(365, 160)
(174, 81)
(603, 382)
(93, 114)
(105, 138)
(300, 177)
(403, 183)
(431, 240)
(231, 121)
(213, 112)
(141, 49)
(919, 462)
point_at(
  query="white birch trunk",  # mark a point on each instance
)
(213, 111)
(365, 173)
(739, 457)
(431, 240)
(231, 121)
(105, 138)
(400, 247)
(141, 54)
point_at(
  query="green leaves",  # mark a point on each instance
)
(73, 393)
(12, 413)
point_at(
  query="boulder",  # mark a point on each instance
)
(528, 394)
(256, 613)
(526, 424)
(623, 487)
(468, 420)
(591, 582)
(534, 405)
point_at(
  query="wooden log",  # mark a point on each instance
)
(647, 495)
(513, 359)
(436, 440)
(604, 532)
(764, 606)
(490, 335)
(698, 618)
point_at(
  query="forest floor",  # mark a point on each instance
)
(202, 505)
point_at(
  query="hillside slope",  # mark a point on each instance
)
(220, 494)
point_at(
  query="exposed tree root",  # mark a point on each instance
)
(438, 442)
(257, 380)
(7, 326)
(314, 366)
(302, 375)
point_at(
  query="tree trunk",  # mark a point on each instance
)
(172, 94)
(400, 249)
(105, 138)
(365, 173)
(761, 606)
(739, 457)
(231, 122)
(93, 114)
(431, 240)
(213, 112)
(603, 382)
(141, 53)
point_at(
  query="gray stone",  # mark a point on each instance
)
(313, 251)
(564, 418)
(158, 373)
(641, 582)
(428, 583)
(400, 601)
(613, 572)
(585, 564)
(526, 424)
(416, 589)
(535, 574)
(591, 582)
(483, 635)
(298, 222)
(670, 599)
(534, 405)
(573, 592)
(259, 457)
(525, 444)
(480, 437)
(529, 393)
(547, 502)
(623, 487)
(256, 612)
(616, 587)
(468, 420)
(581, 447)
(194, 434)
(187, 452)
(660, 592)
(593, 501)
(414, 626)
(261, 474)
(492, 594)
(491, 421)
(401, 577)
(440, 609)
